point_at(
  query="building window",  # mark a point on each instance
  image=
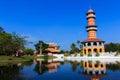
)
(84, 44)
(95, 50)
(89, 50)
(89, 44)
(100, 50)
(85, 51)
(95, 43)
(100, 44)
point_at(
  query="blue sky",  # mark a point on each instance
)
(60, 21)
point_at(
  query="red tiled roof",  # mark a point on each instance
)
(53, 50)
(93, 40)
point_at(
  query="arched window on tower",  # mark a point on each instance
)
(89, 44)
(95, 50)
(84, 45)
(95, 43)
(84, 51)
(89, 50)
(100, 50)
(100, 43)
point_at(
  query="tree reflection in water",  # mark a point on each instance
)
(94, 70)
(42, 67)
(10, 72)
(114, 66)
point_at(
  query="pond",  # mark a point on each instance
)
(61, 70)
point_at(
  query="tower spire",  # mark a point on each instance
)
(90, 7)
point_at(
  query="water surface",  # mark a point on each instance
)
(61, 70)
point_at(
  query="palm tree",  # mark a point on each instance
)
(78, 42)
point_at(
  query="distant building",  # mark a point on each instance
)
(92, 44)
(53, 48)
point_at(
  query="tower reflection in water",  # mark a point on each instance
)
(94, 70)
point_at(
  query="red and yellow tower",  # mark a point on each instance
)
(92, 44)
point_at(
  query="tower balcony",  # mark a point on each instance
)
(90, 13)
(92, 28)
(91, 16)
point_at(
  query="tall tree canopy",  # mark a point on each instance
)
(44, 46)
(112, 47)
(74, 49)
(10, 43)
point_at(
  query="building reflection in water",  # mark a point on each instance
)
(94, 70)
(46, 66)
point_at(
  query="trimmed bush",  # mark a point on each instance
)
(89, 54)
(75, 54)
(66, 54)
(81, 53)
(117, 53)
(97, 54)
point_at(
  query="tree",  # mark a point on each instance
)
(97, 54)
(78, 42)
(11, 43)
(62, 51)
(74, 49)
(112, 47)
(90, 54)
(28, 51)
(5, 43)
(44, 46)
(19, 40)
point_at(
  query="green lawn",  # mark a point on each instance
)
(11, 59)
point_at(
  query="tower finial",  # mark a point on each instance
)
(89, 5)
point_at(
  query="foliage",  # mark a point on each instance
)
(74, 65)
(90, 63)
(113, 66)
(41, 68)
(79, 44)
(74, 49)
(81, 53)
(11, 43)
(44, 46)
(5, 43)
(98, 63)
(82, 64)
(89, 54)
(75, 54)
(62, 52)
(28, 51)
(112, 47)
(97, 54)
(19, 41)
(66, 54)
(117, 53)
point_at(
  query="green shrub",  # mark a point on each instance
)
(117, 53)
(81, 53)
(97, 54)
(98, 63)
(66, 54)
(75, 54)
(89, 54)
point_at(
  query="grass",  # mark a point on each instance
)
(11, 59)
